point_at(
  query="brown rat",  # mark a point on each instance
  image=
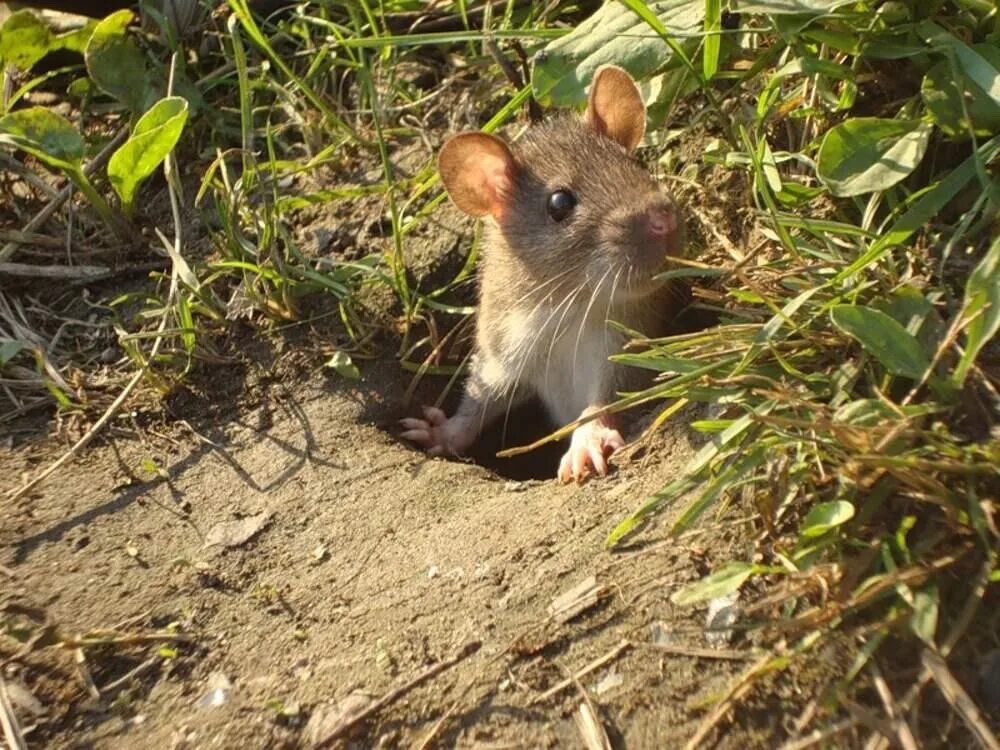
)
(578, 230)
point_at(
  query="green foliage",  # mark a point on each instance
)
(50, 138)
(957, 104)
(827, 370)
(341, 364)
(981, 309)
(893, 346)
(46, 136)
(826, 516)
(867, 154)
(154, 136)
(722, 582)
(615, 33)
(115, 63)
(24, 39)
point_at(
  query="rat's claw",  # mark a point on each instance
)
(416, 430)
(434, 416)
(437, 434)
(422, 431)
(588, 452)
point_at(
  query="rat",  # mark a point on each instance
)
(576, 230)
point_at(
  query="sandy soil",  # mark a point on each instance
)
(366, 563)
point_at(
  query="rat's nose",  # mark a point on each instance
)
(661, 222)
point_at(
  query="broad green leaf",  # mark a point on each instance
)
(868, 154)
(980, 70)
(155, 135)
(943, 95)
(722, 582)
(982, 300)
(826, 516)
(10, 349)
(45, 135)
(882, 337)
(115, 62)
(24, 39)
(342, 364)
(614, 34)
(911, 309)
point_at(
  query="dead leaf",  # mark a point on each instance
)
(235, 533)
(325, 718)
(578, 599)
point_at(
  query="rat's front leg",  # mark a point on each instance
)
(591, 445)
(483, 400)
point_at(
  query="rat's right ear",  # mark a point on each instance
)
(478, 171)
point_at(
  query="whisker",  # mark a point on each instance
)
(611, 300)
(583, 319)
(556, 332)
(532, 344)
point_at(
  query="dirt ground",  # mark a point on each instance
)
(247, 563)
(366, 563)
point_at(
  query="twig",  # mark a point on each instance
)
(592, 732)
(609, 657)
(28, 270)
(114, 639)
(111, 410)
(153, 265)
(11, 729)
(146, 666)
(903, 732)
(426, 741)
(699, 653)
(959, 699)
(52, 206)
(396, 693)
(31, 238)
(868, 718)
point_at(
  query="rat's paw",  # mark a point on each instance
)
(588, 452)
(437, 434)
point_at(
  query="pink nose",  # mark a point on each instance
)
(661, 222)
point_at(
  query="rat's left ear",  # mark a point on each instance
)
(615, 107)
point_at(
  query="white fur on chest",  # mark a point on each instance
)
(561, 352)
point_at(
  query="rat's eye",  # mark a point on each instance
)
(561, 204)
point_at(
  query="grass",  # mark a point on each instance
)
(843, 198)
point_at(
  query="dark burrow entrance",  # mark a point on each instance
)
(523, 426)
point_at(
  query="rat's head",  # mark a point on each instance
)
(569, 198)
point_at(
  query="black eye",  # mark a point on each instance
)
(561, 204)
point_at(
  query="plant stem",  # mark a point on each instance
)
(112, 218)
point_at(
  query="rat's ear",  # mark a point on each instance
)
(478, 171)
(615, 108)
